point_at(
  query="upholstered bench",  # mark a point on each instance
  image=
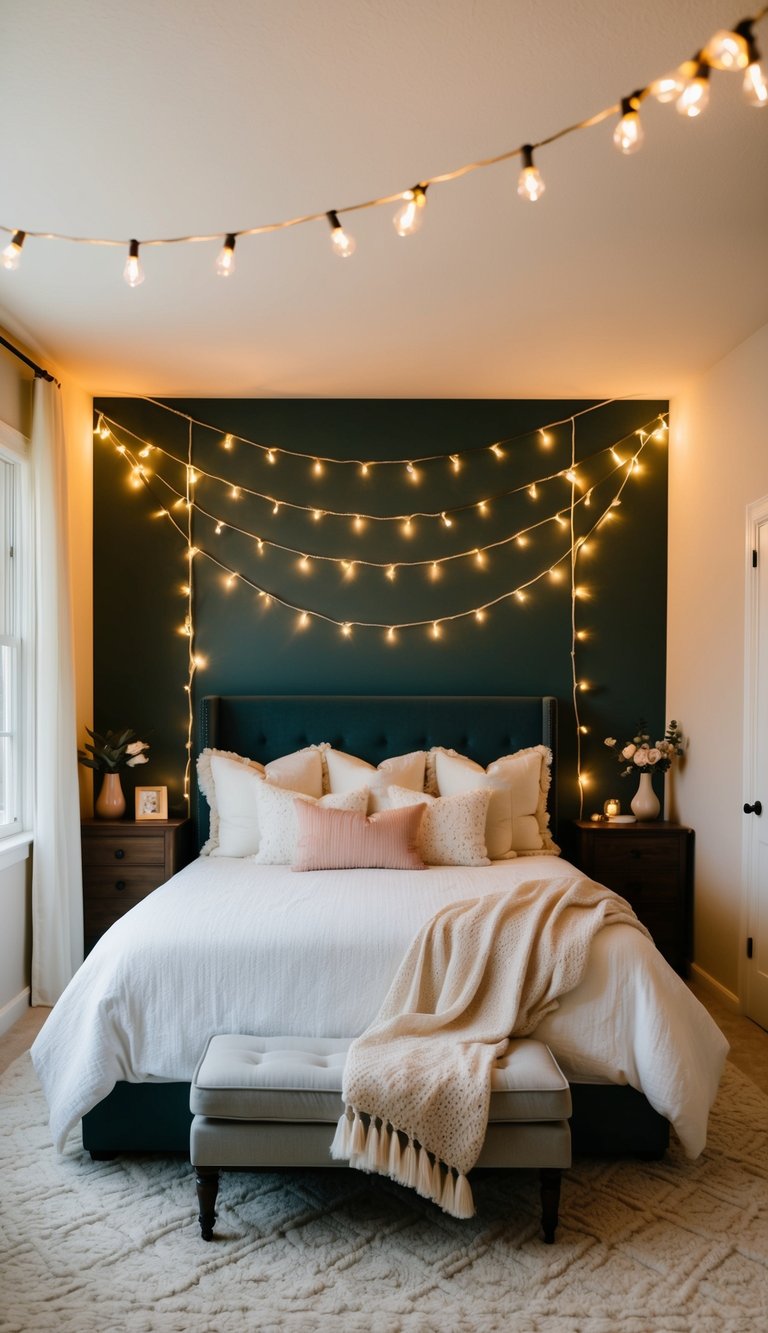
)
(275, 1102)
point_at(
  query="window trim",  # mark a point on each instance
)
(14, 451)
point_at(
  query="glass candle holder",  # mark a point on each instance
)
(612, 806)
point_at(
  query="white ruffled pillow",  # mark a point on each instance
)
(452, 831)
(227, 780)
(347, 773)
(279, 822)
(518, 821)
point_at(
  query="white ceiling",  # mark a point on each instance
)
(181, 116)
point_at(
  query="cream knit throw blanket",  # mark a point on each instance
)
(481, 971)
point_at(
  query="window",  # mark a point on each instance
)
(11, 757)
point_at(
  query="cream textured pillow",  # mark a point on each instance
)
(344, 840)
(226, 780)
(278, 821)
(347, 773)
(453, 828)
(455, 774)
(518, 822)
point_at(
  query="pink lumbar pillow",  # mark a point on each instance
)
(344, 840)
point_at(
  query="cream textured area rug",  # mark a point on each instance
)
(669, 1246)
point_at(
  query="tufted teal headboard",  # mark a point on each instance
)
(375, 726)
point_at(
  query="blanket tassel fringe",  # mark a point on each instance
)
(376, 1147)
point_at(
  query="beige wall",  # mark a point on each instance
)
(718, 464)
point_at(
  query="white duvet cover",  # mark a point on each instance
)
(230, 946)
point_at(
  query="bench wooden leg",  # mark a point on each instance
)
(549, 1178)
(207, 1182)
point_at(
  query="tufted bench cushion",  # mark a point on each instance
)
(295, 1079)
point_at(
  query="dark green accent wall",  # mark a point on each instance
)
(140, 565)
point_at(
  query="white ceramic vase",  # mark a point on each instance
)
(645, 802)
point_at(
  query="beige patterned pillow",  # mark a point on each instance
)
(452, 831)
(279, 825)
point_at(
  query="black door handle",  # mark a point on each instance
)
(755, 809)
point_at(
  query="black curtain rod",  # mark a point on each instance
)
(39, 372)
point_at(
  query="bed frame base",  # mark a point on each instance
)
(608, 1121)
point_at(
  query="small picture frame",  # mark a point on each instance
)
(151, 803)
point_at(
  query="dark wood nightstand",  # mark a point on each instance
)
(651, 865)
(123, 861)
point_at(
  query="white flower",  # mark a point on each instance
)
(654, 755)
(136, 747)
(610, 741)
(628, 751)
(641, 756)
(137, 759)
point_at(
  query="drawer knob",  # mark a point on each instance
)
(119, 854)
(120, 884)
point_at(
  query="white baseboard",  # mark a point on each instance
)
(725, 996)
(14, 1010)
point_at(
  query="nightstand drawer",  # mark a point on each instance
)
(102, 915)
(627, 852)
(111, 883)
(113, 848)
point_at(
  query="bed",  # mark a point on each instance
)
(229, 946)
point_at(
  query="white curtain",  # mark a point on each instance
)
(57, 902)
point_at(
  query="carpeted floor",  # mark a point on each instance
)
(667, 1246)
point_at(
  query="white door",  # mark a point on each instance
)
(756, 766)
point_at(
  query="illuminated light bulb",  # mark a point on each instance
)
(346, 629)
(303, 620)
(533, 491)
(260, 545)
(391, 635)
(545, 439)
(392, 573)
(97, 428)
(555, 574)
(496, 450)
(121, 449)
(184, 629)
(342, 243)
(755, 85)
(530, 185)
(304, 562)
(200, 661)
(407, 527)
(584, 730)
(161, 513)
(581, 634)
(350, 569)
(235, 492)
(225, 260)
(192, 551)
(436, 629)
(455, 462)
(695, 95)
(616, 502)
(359, 523)
(317, 468)
(434, 572)
(616, 457)
(144, 453)
(276, 507)
(628, 135)
(584, 779)
(581, 592)
(413, 473)
(103, 430)
(480, 615)
(133, 271)
(667, 88)
(227, 442)
(186, 687)
(410, 216)
(570, 475)
(179, 504)
(11, 255)
(185, 590)
(218, 528)
(521, 539)
(519, 594)
(317, 514)
(588, 499)
(583, 685)
(483, 506)
(559, 519)
(271, 456)
(364, 469)
(480, 558)
(659, 433)
(232, 580)
(727, 49)
(584, 546)
(192, 476)
(447, 522)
